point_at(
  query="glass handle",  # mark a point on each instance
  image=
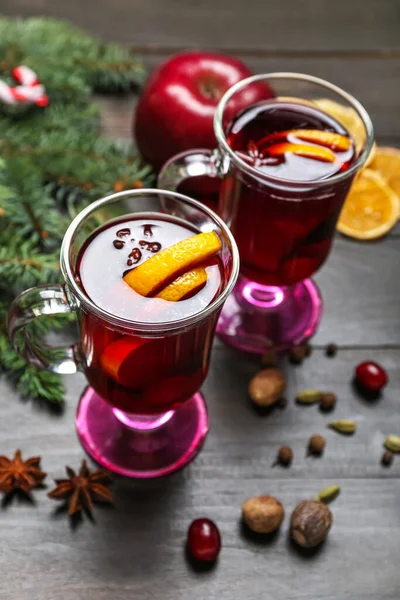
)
(194, 163)
(33, 303)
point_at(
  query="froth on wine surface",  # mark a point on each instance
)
(135, 372)
(283, 225)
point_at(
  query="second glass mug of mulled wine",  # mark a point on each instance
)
(286, 165)
(145, 352)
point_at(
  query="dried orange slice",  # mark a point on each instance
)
(305, 150)
(334, 141)
(348, 117)
(371, 208)
(168, 264)
(387, 163)
(186, 284)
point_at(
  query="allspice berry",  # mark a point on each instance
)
(328, 401)
(299, 353)
(310, 523)
(263, 514)
(331, 350)
(285, 456)
(387, 458)
(267, 387)
(316, 444)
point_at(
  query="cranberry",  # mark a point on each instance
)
(371, 376)
(204, 540)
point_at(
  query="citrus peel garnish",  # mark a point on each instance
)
(347, 116)
(316, 152)
(187, 284)
(328, 139)
(168, 264)
(371, 208)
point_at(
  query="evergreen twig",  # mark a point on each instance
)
(53, 162)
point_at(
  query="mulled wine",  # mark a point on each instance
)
(148, 373)
(284, 232)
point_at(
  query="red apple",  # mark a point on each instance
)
(177, 105)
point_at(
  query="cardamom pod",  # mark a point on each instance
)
(328, 494)
(308, 397)
(392, 443)
(343, 426)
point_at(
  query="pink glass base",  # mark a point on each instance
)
(140, 446)
(257, 318)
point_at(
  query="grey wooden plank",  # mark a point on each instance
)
(136, 549)
(360, 288)
(309, 25)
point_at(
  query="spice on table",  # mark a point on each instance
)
(316, 445)
(18, 474)
(266, 387)
(331, 350)
(309, 397)
(284, 456)
(387, 458)
(328, 401)
(269, 359)
(343, 426)
(392, 443)
(83, 489)
(328, 494)
(263, 514)
(310, 523)
(299, 353)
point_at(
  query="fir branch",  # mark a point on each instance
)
(53, 163)
(30, 381)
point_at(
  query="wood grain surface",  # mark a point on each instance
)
(136, 550)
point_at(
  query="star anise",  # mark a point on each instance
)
(83, 489)
(20, 474)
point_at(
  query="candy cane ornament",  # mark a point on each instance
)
(30, 90)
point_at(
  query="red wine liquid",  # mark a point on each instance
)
(284, 232)
(135, 373)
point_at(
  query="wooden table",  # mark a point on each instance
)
(136, 549)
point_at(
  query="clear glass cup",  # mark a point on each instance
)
(138, 428)
(284, 229)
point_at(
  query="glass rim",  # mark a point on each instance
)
(260, 175)
(140, 326)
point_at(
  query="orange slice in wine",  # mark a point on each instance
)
(334, 141)
(187, 284)
(348, 117)
(131, 361)
(168, 264)
(316, 152)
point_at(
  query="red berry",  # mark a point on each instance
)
(371, 376)
(204, 540)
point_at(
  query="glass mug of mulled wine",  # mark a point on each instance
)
(286, 165)
(146, 273)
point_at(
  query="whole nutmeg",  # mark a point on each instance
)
(263, 514)
(316, 444)
(266, 387)
(310, 523)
